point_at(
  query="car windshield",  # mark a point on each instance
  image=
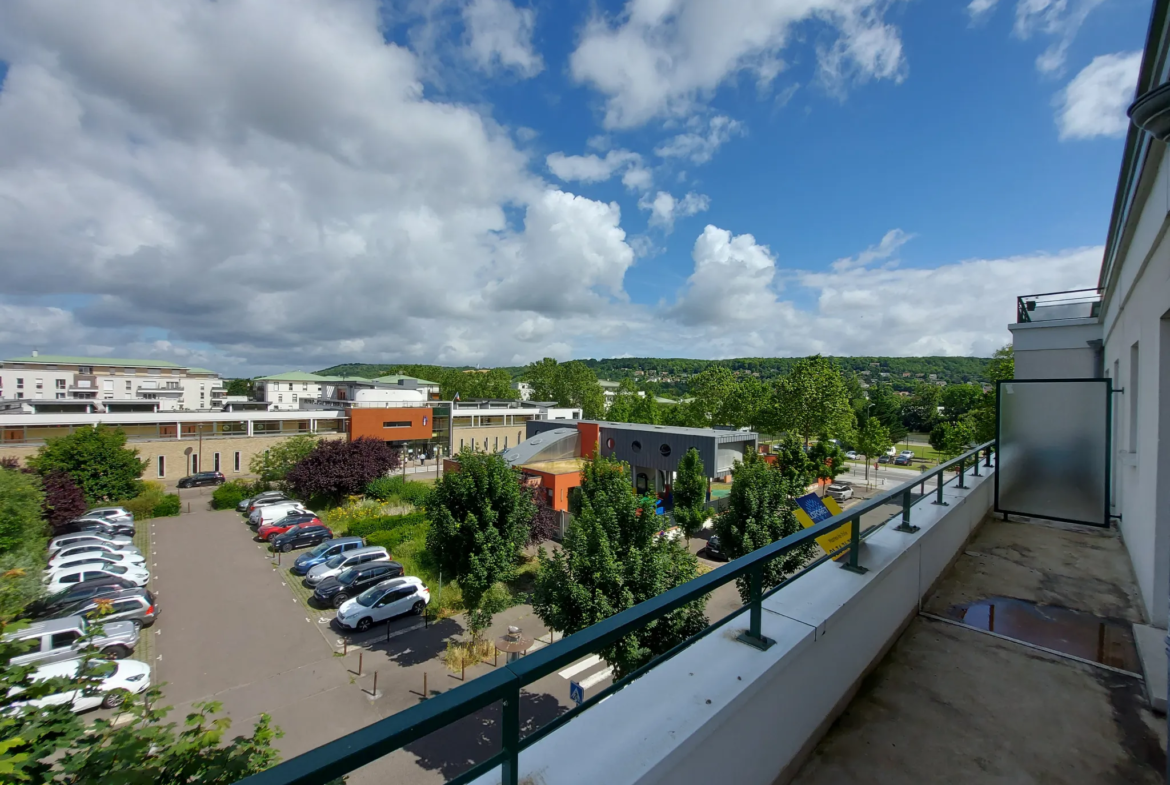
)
(347, 577)
(320, 549)
(335, 561)
(292, 530)
(99, 669)
(369, 597)
(116, 569)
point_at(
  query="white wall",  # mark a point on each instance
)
(127, 385)
(723, 712)
(1136, 309)
(1055, 350)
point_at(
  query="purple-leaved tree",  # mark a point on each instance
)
(337, 468)
(545, 521)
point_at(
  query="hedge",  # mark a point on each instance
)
(228, 495)
(167, 506)
(386, 523)
(396, 487)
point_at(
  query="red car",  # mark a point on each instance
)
(270, 530)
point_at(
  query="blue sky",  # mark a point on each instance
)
(254, 186)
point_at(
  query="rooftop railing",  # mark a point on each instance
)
(357, 749)
(1058, 306)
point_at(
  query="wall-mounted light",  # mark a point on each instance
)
(1151, 112)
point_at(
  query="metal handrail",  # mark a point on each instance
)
(341, 756)
(1027, 303)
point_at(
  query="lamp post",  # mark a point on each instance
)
(200, 453)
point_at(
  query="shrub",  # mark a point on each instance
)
(97, 459)
(384, 523)
(143, 505)
(167, 506)
(353, 513)
(396, 487)
(228, 495)
(336, 468)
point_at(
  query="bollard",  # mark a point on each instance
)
(278, 558)
(462, 669)
(496, 659)
(360, 655)
(375, 692)
(188, 507)
(424, 685)
(345, 647)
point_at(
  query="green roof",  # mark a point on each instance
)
(63, 359)
(201, 370)
(394, 379)
(294, 376)
(347, 379)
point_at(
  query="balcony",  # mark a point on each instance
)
(1058, 306)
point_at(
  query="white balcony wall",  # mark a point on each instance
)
(1056, 349)
(723, 712)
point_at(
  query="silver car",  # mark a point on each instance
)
(57, 640)
(111, 514)
(338, 564)
(120, 543)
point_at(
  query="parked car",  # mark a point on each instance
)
(57, 640)
(885, 459)
(335, 565)
(891, 451)
(353, 581)
(265, 501)
(63, 579)
(323, 552)
(118, 679)
(122, 559)
(301, 537)
(202, 478)
(98, 526)
(137, 606)
(49, 606)
(271, 513)
(110, 514)
(712, 549)
(262, 496)
(904, 458)
(854, 456)
(96, 549)
(295, 518)
(119, 543)
(383, 602)
(840, 492)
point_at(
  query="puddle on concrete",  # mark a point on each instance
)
(1084, 635)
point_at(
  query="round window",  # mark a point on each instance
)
(609, 442)
(636, 446)
(665, 450)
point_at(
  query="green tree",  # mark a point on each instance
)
(240, 387)
(921, 410)
(623, 402)
(827, 459)
(646, 410)
(760, 512)
(812, 399)
(22, 541)
(712, 392)
(793, 462)
(872, 441)
(569, 384)
(690, 493)
(480, 518)
(611, 560)
(98, 461)
(274, 464)
(886, 405)
(1002, 365)
(958, 399)
(952, 439)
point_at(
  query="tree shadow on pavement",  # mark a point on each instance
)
(418, 646)
(457, 747)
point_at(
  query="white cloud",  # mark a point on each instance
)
(662, 59)
(500, 35)
(699, 144)
(1094, 102)
(887, 247)
(732, 281)
(594, 169)
(978, 9)
(664, 208)
(1059, 19)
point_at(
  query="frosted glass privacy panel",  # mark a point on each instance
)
(1054, 450)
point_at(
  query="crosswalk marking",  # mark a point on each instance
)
(583, 665)
(596, 678)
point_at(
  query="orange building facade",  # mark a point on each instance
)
(391, 424)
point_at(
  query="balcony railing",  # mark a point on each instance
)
(357, 749)
(1058, 306)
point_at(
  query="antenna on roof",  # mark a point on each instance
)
(35, 353)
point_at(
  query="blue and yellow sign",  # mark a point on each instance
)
(813, 509)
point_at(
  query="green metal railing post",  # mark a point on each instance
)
(510, 768)
(975, 465)
(963, 472)
(854, 547)
(939, 499)
(754, 636)
(987, 452)
(905, 526)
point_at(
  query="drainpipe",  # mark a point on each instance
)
(1097, 345)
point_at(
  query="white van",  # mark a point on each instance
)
(270, 513)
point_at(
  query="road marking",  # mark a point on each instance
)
(583, 665)
(596, 678)
(159, 657)
(307, 619)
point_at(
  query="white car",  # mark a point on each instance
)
(385, 601)
(129, 675)
(97, 549)
(60, 580)
(853, 456)
(270, 513)
(82, 538)
(840, 492)
(335, 565)
(111, 514)
(119, 558)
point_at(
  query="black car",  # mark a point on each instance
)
(47, 607)
(712, 549)
(202, 478)
(335, 590)
(108, 528)
(885, 459)
(301, 537)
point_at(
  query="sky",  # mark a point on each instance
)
(262, 185)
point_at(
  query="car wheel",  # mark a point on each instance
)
(418, 608)
(364, 624)
(286, 547)
(339, 600)
(116, 653)
(113, 700)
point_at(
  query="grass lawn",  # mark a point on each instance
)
(144, 651)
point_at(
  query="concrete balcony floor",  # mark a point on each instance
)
(956, 705)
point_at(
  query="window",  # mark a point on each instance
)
(237, 461)
(609, 442)
(505, 442)
(63, 640)
(128, 383)
(215, 461)
(40, 384)
(460, 441)
(194, 462)
(154, 371)
(59, 384)
(20, 395)
(664, 449)
(294, 397)
(60, 396)
(1131, 391)
(108, 384)
(305, 387)
(162, 466)
(496, 443)
(280, 399)
(636, 446)
(19, 383)
(396, 424)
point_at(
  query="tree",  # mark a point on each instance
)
(920, 412)
(240, 387)
(569, 384)
(98, 461)
(812, 399)
(886, 405)
(747, 405)
(760, 512)
(64, 501)
(1002, 365)
(274, 464)
(480, 520)
(793, 462)
(712, 392)
(872, 440)
(690, 494)
(624, 399)
(951, 439)
(337, 468)
(22, 542)
(958, 399)
(545, 522)
(611, 560)
(827, 459)
(646, 410)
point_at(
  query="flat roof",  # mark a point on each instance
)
(564, 466)
(394, 378)
(64, 359)
(675, 429)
